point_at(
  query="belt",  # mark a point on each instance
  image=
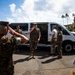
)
(55, 38)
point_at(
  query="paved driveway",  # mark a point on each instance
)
(43, 64)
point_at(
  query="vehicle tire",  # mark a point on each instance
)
(67, 47)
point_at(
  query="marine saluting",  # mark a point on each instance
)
(7, 48)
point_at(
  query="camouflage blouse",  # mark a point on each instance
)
(6, 53)
(34, 35)
(59, 36)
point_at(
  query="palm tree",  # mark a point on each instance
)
(73, 17)
(67, 16)
(63, 18)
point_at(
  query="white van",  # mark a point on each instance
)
(46, 29)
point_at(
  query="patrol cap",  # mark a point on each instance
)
(34, 23)
(4, 23)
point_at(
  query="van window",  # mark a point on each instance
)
(23, 26)
(54, 24)
(63, 30)
(13, 27)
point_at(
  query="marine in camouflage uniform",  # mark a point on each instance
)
(59, 42)
(53, 41)
(34, 39)
(17, 44)
(7, 49)
(18, 29)
(6, 53)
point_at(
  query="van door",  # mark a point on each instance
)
(44, 32)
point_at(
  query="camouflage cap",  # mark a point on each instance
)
(4, 23)
(34, 23)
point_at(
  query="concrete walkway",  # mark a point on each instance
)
(43, 64)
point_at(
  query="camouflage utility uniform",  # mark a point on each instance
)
(34, 35)
(6, 53)
(59, 43)
(19, 31)
(19, 43)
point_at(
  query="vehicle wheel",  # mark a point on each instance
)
(67, 47)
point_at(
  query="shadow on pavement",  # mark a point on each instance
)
(22, 60)
(50, 60)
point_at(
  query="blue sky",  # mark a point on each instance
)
(5, 9)
(36, 10)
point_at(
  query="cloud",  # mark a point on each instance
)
(41, 10)
(10, 20)
(12, 7)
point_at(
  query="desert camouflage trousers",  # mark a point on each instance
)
(53, 47)
(59, 49)
(33, 47)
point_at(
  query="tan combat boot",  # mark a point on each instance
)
(73, 72)
(33, 57)
(59, 56)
